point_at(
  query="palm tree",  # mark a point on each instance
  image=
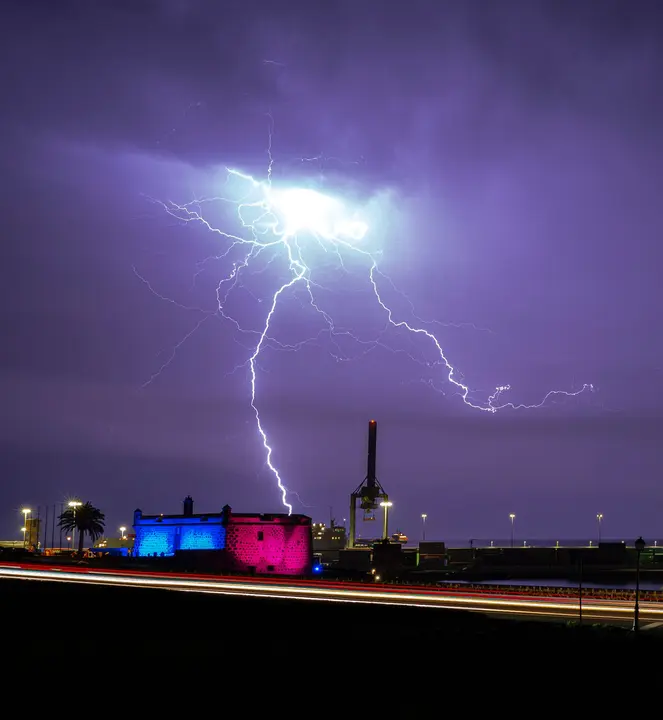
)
(85, 518)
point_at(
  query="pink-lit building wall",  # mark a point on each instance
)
(280, 544)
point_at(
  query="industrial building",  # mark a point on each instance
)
(276, 544)
(328, 541)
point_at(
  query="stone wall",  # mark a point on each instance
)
(273, 547)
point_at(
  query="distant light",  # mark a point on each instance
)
(317, 568)
(26, 511)
(24, 529)
(74, 503)
(386, 504)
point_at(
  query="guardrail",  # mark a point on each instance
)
(570, 592)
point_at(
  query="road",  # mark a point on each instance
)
(528, 606)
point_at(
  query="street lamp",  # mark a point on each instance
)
(423, 523)
(512, 517)
(599, 517)
(23, 530)
(26, 512)
(639, 547)
(122, 535)
(69, 543)
(386, 505)
(74, 504)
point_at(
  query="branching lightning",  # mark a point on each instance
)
(293, 224)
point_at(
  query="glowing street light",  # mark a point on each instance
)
(512, 517)
(24, 530)
(74, 504)
(423, 523)
(26, 512)
(386, 505)
(599, 517)
(122, 531)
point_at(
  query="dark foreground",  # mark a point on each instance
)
(293, 637)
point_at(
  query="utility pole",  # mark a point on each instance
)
(45, 546)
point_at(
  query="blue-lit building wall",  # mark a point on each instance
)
(163, 536)
(155, 540)
(212, 537)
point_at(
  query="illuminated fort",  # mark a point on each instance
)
(246, 543)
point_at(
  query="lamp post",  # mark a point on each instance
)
(580, 569)
(386, 505)
(423, 526)
(639, 547)
(122, 531)
(74, 504)
(69, 543)
(512, 517)
(599, 517)
(26, 512)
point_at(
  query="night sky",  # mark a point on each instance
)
(510, 153)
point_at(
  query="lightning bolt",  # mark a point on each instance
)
(278, 221)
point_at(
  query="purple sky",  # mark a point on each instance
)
(516, 149)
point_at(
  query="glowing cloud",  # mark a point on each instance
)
(302, 210)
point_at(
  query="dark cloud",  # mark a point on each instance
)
(185, 78)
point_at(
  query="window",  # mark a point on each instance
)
(261, 535)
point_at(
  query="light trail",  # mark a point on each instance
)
(309, 231)
(553, 607)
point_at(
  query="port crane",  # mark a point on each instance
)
(369, 491)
